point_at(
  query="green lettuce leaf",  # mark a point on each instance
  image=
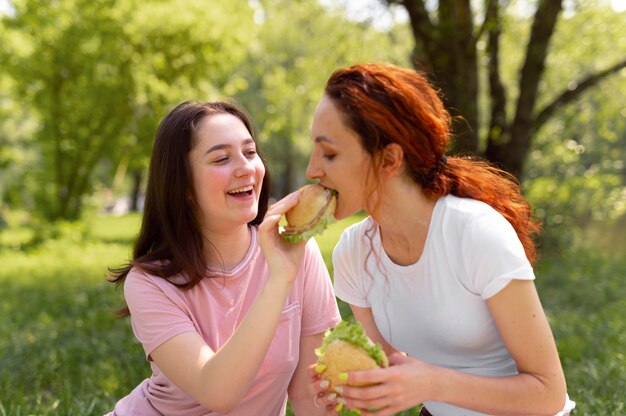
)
(355, 335)
(318, 228)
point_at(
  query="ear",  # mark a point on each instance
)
(392, 159)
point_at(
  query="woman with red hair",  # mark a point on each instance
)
(441, 271)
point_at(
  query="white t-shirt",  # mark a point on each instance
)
(435, 309)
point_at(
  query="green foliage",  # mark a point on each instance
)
(192, 56)
(585, 299)
(576, 172)
(63, 351)
(73, 69)
(97, 82)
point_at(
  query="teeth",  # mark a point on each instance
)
(240, 190)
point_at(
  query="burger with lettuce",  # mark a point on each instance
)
(312, 214)
(346, 348)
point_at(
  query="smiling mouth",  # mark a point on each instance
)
(245, 190)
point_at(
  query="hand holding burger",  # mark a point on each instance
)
(346, 348)
(313, 213)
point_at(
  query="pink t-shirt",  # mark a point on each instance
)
(214, 308)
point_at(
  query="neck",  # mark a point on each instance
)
(227, 249)
(404, 219)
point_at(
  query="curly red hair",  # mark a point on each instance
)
(386, 104)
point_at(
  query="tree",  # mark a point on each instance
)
(449, 46)
(576, 171)
(74, 70)
(98, 82)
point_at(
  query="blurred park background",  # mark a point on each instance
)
(540, 86)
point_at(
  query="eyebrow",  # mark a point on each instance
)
(322, 139)
(227, 146)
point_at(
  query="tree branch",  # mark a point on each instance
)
(484, 27)
(570, 94)
(534, 64)
(498, 122)
(422, 27)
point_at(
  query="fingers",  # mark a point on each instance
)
(323, 397)
(275, 212)
(283, 205)
(398, 358)
(365, 377)
(270, 223)
(375, 396)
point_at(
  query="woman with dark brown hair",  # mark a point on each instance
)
(441, 271)
(227, 311)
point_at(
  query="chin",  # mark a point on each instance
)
(250, 217)
(344, 212)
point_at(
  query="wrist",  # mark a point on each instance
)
(278, 285)
(438, 383)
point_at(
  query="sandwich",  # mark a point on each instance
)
(313, 213)
(345, 348)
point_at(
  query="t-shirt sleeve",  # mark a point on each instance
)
(319, 311)
(348, 285)
(155, 315)
(493, 255)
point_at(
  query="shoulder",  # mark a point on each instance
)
(355, 234)
(467, 208)
(141, 282)
(355, 242)
(470, 215)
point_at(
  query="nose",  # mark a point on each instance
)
(244, 167)
(313, 170)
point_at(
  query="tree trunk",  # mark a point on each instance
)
(511, 154)
(287, 182)
(445, 48)
(137, 178)
(447, 52)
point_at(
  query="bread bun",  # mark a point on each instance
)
(347, 348)
(313, 213)
(313, 199)
(341, 357)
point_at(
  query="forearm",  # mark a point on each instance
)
(301, 394)
(522, 394)
(305, 406)
(240, 358)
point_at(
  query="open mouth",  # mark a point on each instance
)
(243, 191)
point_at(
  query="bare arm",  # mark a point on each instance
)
(219, 379)
(301, 393)
(364, 315)
(538, 389)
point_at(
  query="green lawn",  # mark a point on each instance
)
(62, 351)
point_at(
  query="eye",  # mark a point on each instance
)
(250, 153)
(221, 160)
(328, 156)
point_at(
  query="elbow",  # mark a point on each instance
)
(299, 397)
(556, 398)
(220, 403)
(300, 394)
(220, 406)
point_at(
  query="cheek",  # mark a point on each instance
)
(260, 169)
(208, 184)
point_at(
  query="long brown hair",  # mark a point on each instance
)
(169, 240)
(386, 104)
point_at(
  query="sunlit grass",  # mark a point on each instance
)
(63, 352)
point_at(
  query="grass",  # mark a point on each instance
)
(63, 352)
